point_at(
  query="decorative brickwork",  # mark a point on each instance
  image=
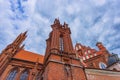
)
(61, 60)
(90, 57)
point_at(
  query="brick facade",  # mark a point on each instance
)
(61, 60)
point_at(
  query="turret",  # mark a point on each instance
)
(100, 46)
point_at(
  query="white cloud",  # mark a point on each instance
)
(90, 21)
(117, 20)
(99, 3)
(72, 9)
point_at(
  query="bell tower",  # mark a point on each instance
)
(11, 50)
(60, 59)
(59, 40)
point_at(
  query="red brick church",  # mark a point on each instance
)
(61, 61)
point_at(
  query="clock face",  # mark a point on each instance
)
(102, 65)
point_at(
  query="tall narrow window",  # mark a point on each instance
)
(61, 43)
(24, 75)
(12, 75)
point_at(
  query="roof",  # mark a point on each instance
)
(113, 58)
(29, 56)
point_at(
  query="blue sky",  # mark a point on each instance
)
(89, 20)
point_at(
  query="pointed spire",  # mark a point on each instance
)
(56, 21)
(56, 24)
(65, 25)
(100, 46)
(21, 37)
(22, 47)
(25, 33)
(11, 50)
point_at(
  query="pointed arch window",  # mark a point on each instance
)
(24, 75)
(61, 46)
(12, 74)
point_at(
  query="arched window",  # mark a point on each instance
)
(24, 75)
(61, 46)
(12, 74)
(102, 65)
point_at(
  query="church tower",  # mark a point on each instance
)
(59, 40)
(60, 62)
(11, 50)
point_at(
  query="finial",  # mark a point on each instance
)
(98, 43)
(25, 32)
(100, 46)
(65, 25)
(56, 21)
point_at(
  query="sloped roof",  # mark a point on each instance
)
(29, 56)
(113, 58)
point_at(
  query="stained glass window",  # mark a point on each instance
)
(12, 75)
(24, 75)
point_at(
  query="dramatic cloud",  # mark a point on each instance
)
(90, 21)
